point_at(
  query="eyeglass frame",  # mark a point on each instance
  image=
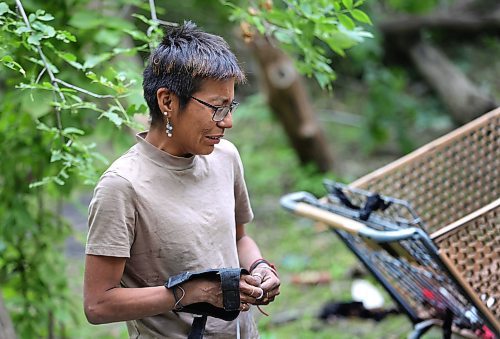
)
(231, 108)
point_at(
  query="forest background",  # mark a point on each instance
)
(336, 89)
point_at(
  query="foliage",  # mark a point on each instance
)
(389, 110)
(412, 6)
(64, 93)
(71, 83)
(392, 102)
(307, 29)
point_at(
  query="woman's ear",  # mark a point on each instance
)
(167, 100)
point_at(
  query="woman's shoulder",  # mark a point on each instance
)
(227, 146)
(121, 172)
(114, 181)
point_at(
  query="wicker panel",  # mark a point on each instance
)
(448, 178)
(474, 249)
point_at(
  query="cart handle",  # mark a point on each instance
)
(301, 203)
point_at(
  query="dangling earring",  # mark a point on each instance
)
(168, 128)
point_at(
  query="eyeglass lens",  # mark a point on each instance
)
(221, 112)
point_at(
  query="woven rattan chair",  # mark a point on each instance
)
(427, 227)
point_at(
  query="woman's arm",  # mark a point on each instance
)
(249, 253)
(105, 301)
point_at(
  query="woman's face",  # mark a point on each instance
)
(194, 130)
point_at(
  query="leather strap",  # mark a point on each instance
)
(198, 327)
(230, 285)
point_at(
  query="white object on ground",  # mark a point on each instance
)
(365, 292)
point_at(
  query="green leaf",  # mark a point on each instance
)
(347, 4)
(346, 21)
(9, 62)
(284, 36)
(145, 19)
(93, 60)
(44, 16)
(324, 79)
(137, 35)
(22, 29)
(108, 37)
(53, 68)
(48, 31)
(34, 39)
(91, 75)
(56, 155)
(58, 181)
(85, 20)
(306, 9)
(113, 117)
(73, 130)
(65, 36)
(70, 59)
(137, 109)
(64, 174)
(4, 8)
(361, 16)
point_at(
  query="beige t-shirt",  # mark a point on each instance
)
(168, 215)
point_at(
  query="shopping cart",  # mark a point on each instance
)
(427, 226)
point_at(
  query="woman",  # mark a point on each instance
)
(176, 202)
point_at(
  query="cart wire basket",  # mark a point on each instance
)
(427, 227)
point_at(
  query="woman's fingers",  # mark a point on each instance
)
(244, 307)
(260, 288)
(250, 290)
(251, 295)
(251, 280)
(268, 296)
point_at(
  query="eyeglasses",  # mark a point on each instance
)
(220, 112)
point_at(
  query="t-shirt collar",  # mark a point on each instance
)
(161, 157)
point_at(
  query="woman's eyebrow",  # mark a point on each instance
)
(221, 99)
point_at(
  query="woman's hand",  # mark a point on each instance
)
(269, 282)
(250, 291)
(202, 290)
(208, 290)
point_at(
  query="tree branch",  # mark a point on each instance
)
(6, 326)
(461, 18)
(463, 99)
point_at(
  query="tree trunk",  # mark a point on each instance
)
(6, 327)
(463, 99)
(290, 103)
(463, 20)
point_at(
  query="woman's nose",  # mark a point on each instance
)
(227, 122)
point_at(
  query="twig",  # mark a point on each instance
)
(152, 7)
(122, 110)
(40, 75)
(79, 89)
(154, 17)
(46, 64)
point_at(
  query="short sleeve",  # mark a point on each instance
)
(112, 215)
(243, 209)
